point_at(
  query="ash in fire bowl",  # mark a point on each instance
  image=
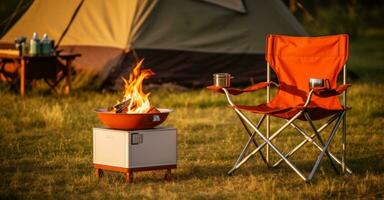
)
(134, 111)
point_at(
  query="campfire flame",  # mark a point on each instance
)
(133, 93)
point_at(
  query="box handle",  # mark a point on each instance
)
(136, 138)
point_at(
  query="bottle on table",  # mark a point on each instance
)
(34, 47)
(45, 45)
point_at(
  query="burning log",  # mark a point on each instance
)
(120, 107)
(123, 107)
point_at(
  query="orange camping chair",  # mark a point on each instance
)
(295, 60)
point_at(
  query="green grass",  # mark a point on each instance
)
(46, 146)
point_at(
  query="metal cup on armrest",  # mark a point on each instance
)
(222, 79)
(316, 82)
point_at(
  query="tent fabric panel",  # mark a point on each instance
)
(193, 68)
(193, 25)
(101, 23)
(236, 5)
(143, 11)
(43, 16)
(107, 23)
(96, 60)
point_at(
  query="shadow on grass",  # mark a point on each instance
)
(372, 164)
(186, 172)
(359, 166)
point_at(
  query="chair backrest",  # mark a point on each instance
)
(297, 59)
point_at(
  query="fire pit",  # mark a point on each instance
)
(134, 112)
(132, 142)
(124, 121)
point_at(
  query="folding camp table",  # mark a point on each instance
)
(40, 67)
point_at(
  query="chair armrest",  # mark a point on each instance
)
(236, 91)
(326, 92)
(309, 97)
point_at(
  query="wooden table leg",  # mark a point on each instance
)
(22, 76)
(129, 177)
(68, 70)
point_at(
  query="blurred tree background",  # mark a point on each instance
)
(319, 17)
(355, 17)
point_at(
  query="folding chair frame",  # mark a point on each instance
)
(253, 130)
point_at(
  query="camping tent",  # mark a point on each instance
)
(182, 41)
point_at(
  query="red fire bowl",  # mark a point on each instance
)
(124, 121)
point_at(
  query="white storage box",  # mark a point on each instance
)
(121, 150)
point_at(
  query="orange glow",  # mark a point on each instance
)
(139, 102)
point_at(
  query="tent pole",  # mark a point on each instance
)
(135, 56)
(69, 24)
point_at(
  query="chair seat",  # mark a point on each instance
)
(314, 112)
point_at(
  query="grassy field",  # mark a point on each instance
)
(46, 146)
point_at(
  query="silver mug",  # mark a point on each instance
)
(316, 82)
(222, 79)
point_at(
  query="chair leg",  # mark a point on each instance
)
(267, 150)
(251, 138)
(244, 149)
(267, 141)
(250, 133)
(344, 144)
(247, 121)
(308, 138)
(273, 147)
(320, 140)
(344, 134)
(317, 163)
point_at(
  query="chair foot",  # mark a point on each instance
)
(231, 172)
